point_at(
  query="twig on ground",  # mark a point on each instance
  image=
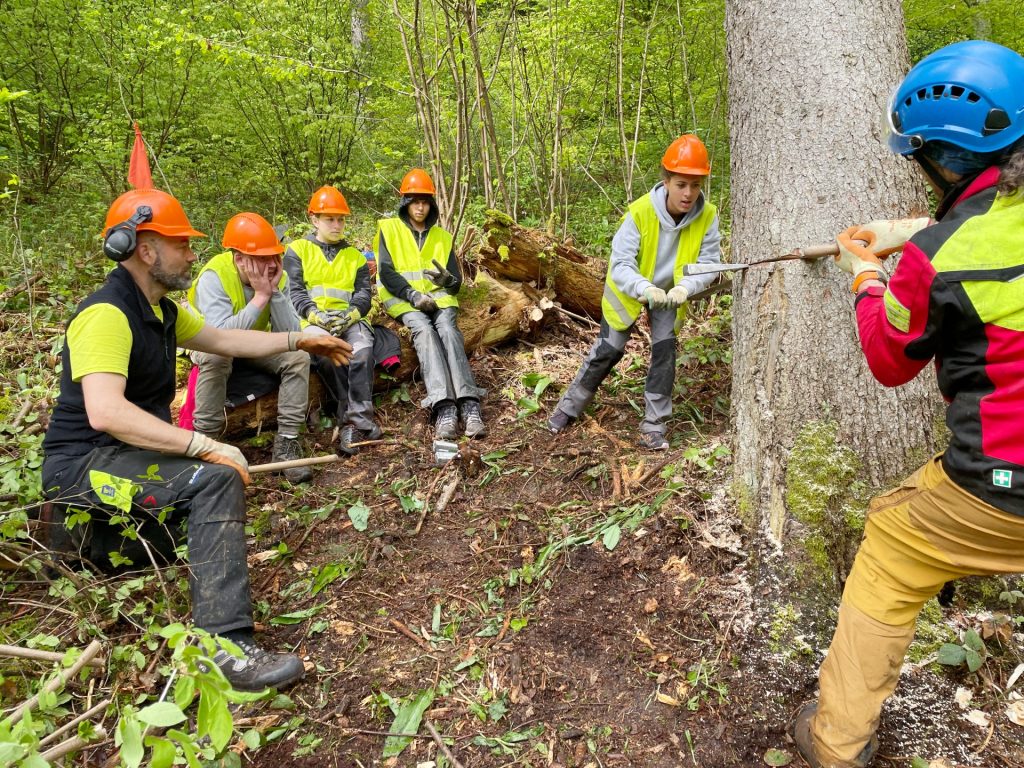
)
(73, 744)
(87, 715)
(18, 652)
(442, 746)
(442, 502)
(409, 633)
(59, 679)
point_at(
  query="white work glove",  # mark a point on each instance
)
(678, 296)
(208, 449)
(655, 298)
(859, 260)
(891, 234)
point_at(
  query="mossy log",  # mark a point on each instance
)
(535, 256)
(491, 311)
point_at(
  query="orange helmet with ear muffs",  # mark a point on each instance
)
(143, 210)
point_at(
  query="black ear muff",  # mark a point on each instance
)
(120, 240)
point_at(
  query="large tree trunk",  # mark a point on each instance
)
(808, 82)
(534, 256)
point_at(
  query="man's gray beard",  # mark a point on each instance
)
(169, 281)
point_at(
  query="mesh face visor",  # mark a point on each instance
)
(901, 143)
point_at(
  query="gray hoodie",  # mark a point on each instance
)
(624, 260)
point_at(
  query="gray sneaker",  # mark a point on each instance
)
(287, 449)
(258, 669)
(653, 441)
(446, 425)
(559, 421)
(472, 419)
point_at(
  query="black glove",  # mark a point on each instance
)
(440, 277)
(422, 301)
(343, 319)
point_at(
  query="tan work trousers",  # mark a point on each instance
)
(916, 538)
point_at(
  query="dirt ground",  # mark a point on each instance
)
(561, 600)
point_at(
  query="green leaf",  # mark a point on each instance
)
(296, 616)
(163, 752)
(407, 720)
(973, 641)
(251, 739)
(359, 514)
(974, 659)
(918, 762)
(283, 701)
(184, 691)
(162, 714)
(611, 536)
(129, 738)
(951, 655)
(777, 757)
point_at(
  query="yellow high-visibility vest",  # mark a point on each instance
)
(330, 283)
(410, 261)
(621, 311)
(223, 265)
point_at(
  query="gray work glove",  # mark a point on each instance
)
(678, 296)
(422, 301)
(656, 298)
(440, 277)
(319, 318)
(343, 319)
(207, 449)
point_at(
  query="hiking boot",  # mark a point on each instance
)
(258, 669)
(287, 449)
(446, 423)
(559, 420)
(800, 732)
(472, 420)
(349, 434)
(653, 441)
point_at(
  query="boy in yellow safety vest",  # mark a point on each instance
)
(331, 289)
(245, 287)
(666, 229)
(421, 293)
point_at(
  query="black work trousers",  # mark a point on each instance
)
(113, 499)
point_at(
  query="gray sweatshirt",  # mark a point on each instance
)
(624, 260)
(215, 305)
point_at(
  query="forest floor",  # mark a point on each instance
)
(576, 602)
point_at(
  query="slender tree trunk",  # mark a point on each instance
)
(808, 82)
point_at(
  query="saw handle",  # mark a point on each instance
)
(817, 251)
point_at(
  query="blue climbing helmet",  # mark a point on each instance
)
(968, 94)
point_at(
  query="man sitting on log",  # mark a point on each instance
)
(671, 226)
(421, 293)
(123, 480)
(245, 287)
(331, 289)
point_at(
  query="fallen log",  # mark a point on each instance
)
(535, 256)
(491, 311)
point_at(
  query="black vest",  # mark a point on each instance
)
(151, 368)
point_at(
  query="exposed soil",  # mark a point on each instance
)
(546, 641)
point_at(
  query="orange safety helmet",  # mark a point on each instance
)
(688, 155)
(417, 182)
(168, 217)
(328, 200)
(251, 234)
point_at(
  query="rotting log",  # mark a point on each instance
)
(534, 256)
(491, 311)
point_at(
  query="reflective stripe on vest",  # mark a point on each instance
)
(223, 265)
(330, 283)
(410, 262)
(621, 311)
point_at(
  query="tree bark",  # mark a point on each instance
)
(806, 95)
(532, 255)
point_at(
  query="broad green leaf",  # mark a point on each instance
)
(951, 655)
(162, 714)
(129, 736)
(407, 720)
(611, 536)
(296, 616)
(184, 691)
(163, 752)
(251, 739)
(973, 641)
(359, 514)
(974, 659)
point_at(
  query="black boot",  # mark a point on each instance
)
(258, 669)
(287, 449)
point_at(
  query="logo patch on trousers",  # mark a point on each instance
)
(1002, 478)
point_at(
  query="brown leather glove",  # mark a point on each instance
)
(207, 449)
(337, 350)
